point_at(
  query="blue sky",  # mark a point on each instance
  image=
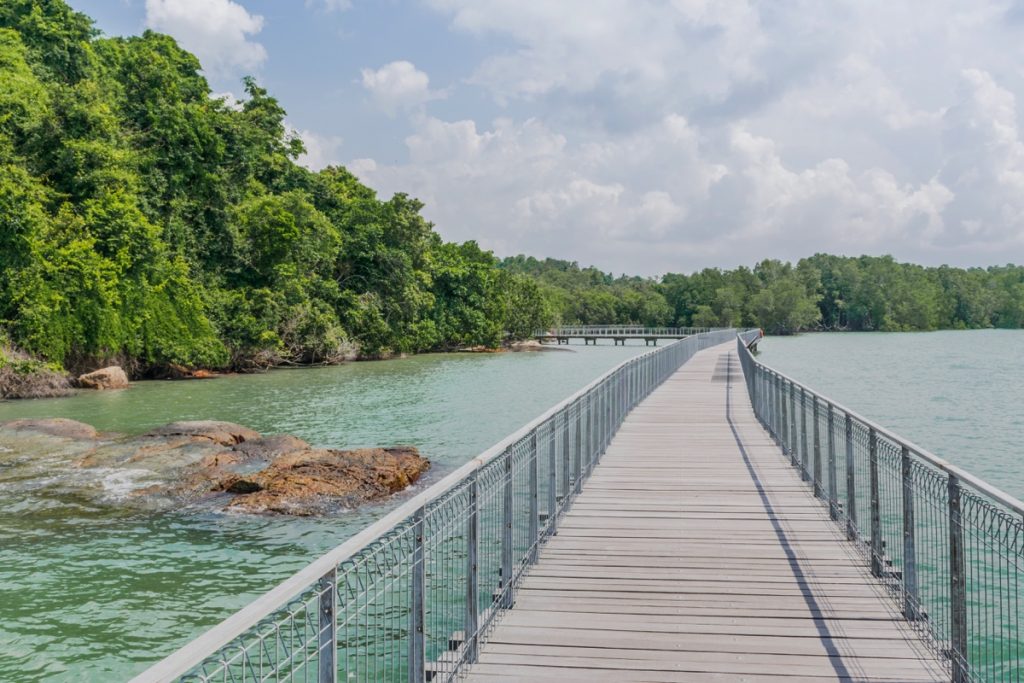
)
(648, 135)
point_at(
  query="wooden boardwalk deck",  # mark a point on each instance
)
(695, 553)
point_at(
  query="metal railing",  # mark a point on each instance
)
(622, 330)
(948, 547)
(414, 596)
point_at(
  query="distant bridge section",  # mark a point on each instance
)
(617, 333)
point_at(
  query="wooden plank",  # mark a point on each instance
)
(696, 553)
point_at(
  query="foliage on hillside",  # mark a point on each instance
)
(822, 292)
(144, 222)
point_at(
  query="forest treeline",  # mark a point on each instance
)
(821, 292)
(145, 222)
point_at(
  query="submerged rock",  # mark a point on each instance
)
(53, 426)
(112, 377)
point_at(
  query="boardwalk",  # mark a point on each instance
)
(695, 553)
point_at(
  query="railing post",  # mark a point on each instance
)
(833, 484)
(817, 450)
(776, 410)
(534, 498)
(506, 535)
(794, 453)
(609, 411)
(851, 484)
(805, 469)
(909, 539)
(957, 585)
(417, 580)
(553, 477)
(785, 418)
(602, 419)
(753, 388)
(876, 511)
(578, 464)
(566, 452)
(472, 572)
(597, 413)
(327, 645)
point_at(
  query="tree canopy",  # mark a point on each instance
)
(146, 222)
(822, 292)
(142, 220)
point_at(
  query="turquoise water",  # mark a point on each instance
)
(93, 591)
(960, 394)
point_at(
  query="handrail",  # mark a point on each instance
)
(627, 330)
(947, 545)
(378, 579)
(963, 475)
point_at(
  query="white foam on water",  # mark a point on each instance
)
(120, 483)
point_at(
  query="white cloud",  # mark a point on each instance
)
(984, 164)
(398, 86)
(330, 5)
(230, 101)
(662, 198)
(628, 47)
(653, 135)
(321, 150)
(219, 32)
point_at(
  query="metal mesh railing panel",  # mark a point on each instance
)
(949, 549)
(418, 600)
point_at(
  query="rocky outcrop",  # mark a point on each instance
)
(22, 376)
(112, 377)
(533, 345)
(175, 371)
(205, 465)
(223, 433)
(54, 426)
(312, 481)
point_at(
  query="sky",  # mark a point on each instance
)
(648, 136)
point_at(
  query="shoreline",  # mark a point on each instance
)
(34, 371)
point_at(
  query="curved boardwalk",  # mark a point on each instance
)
(695, 553)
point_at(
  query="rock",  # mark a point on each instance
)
(532, 345)
(526, 345)
(270, 447)
(112, 377)
(205, 464)
(477, 349)
(175, 371)
(223, 433)
(249, 456)
(54, 426)
(317, 480)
